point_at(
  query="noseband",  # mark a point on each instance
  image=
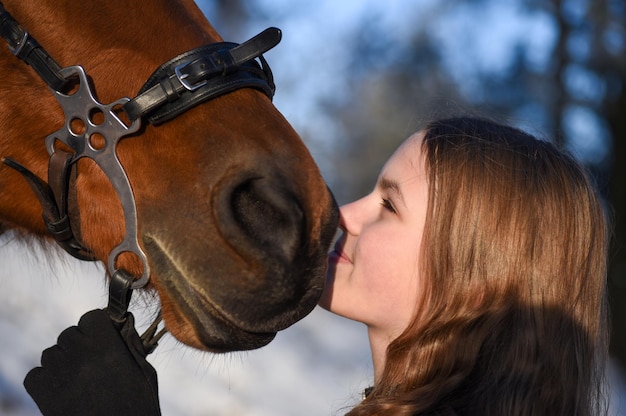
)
(176, 86)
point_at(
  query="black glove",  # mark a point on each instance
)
(95, 369)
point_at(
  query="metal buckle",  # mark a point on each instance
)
(182, 78)
(18, 48)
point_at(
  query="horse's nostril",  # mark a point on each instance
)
(270, 216)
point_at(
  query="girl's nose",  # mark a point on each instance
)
(353, 216)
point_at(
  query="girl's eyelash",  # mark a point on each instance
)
(385, 203)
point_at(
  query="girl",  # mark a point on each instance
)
(478, 264)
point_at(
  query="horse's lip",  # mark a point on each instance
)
(212, 325)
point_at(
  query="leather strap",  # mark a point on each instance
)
(202, 74)
(64, 230)
(120, 292)
(22, 45)
(42, 190)
(54, 197)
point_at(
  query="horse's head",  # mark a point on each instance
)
(232, 213)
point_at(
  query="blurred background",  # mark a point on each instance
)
(355, 78)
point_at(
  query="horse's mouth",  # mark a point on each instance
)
(197, 322)
(190, 314)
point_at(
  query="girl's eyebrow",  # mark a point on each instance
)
(391, 186)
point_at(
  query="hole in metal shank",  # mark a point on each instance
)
(77, 126)
(130, 262)
(97, 141)
(96, 116)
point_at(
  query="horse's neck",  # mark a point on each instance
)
(118, 44)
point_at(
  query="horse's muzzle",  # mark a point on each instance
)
(260, 272)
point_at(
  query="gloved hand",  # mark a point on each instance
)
(95, 369)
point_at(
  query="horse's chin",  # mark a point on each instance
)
(205, 329)
(196, 319)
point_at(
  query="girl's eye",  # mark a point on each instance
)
(385, 203)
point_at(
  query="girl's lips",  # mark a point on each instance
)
(338, 256)
(334, 257)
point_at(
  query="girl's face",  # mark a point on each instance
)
(373, 272)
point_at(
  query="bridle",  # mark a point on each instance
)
(176, 86)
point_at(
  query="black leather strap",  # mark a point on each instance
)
(257, 45)
(42, 190)
(28, 49)
(53, 197)
(65, 231)
(120, 293)
(204, 73)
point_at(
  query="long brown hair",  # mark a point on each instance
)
(514, 313)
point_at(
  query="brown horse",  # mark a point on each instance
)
(231, 211)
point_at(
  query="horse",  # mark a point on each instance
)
(216, 204)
